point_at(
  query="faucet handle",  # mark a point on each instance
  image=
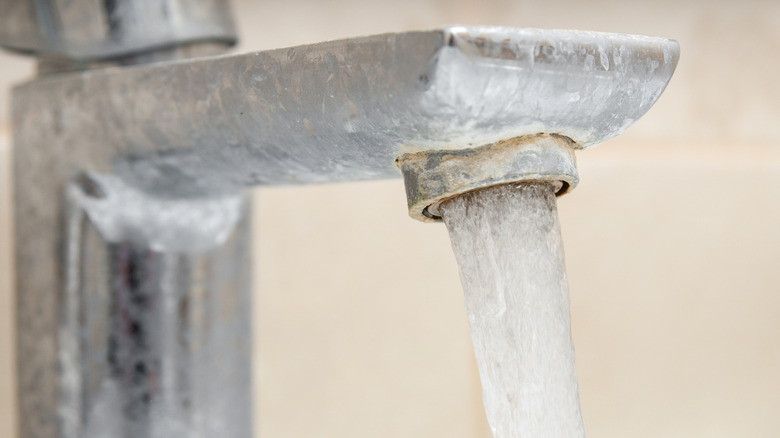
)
(84, 30)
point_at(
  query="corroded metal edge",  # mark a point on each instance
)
(588, 86)
(435, 176)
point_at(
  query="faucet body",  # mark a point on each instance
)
(133, 311)
(132, 229)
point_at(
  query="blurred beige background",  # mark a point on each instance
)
(672, 242)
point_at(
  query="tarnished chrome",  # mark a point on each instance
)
(89, 30)
(202, 130)
(343, 110)
(432, 177)
(52, 64)
(154, 321)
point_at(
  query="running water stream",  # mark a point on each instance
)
(507, 241)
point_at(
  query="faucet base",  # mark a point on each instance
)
(154, 323)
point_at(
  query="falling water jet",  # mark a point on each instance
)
(507, 242)
(499, 204)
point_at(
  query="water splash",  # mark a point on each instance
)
(507, 241)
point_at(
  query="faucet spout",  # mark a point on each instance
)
(342, 110)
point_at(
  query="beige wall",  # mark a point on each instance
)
(672, 242)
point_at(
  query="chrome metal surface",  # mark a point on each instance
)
(154, 323)
(89, 30)
(336, 111)
(52, 64)
(432, 177)
(343, 110)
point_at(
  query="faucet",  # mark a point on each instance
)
(134, 146)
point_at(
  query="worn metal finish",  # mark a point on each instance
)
(90, 30)
(154, 322)
(336, 111)
(343, 110)
(433, 177)
(52, 64)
